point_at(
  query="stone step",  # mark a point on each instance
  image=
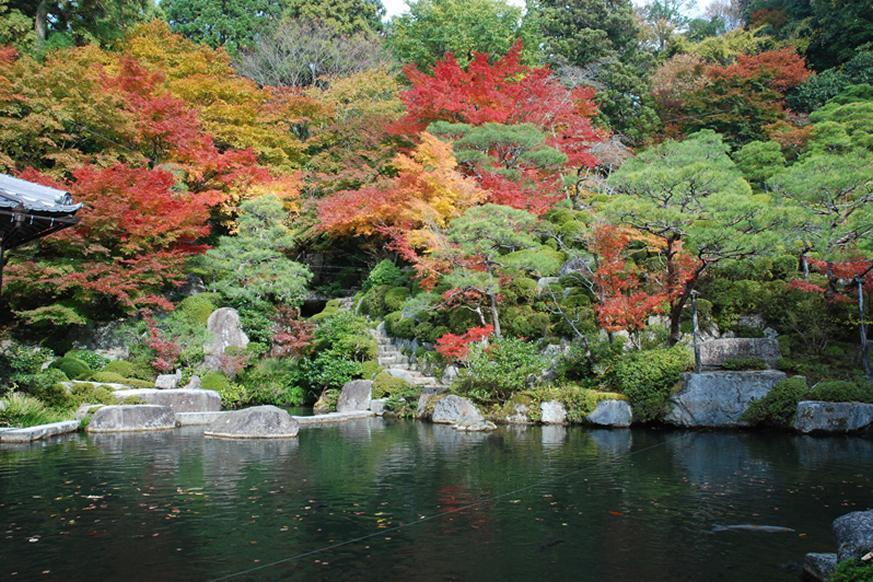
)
(393, 361)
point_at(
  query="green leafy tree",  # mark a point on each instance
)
(482, 237)
(233, 25)
(83, 21)
(347, 17)
(251, 270)
(759, 160)
(692, 199)
(597, 43)
(435, 27)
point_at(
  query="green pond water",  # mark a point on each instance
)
(401, 500)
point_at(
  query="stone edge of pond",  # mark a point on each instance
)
(38, 432)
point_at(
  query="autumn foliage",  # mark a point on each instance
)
(454, 347)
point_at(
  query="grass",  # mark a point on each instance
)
(21, 410)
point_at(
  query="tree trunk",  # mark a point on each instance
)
(40, 21)
(495, 317)
(865, 345)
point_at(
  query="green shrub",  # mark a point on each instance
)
(82, 393)
(578, 401)
(197, 308)
(853, 571)
(327, 400)
(48, 387)
(750, 363)
(214, 381)
(275, 381)
(21, 410)
(384, 273)
(121, 367)
(398, 326)
(114, 378)
(373, 301)
(778, 407)
(91, 359)
(370, 369)
(73, 368)
(648, 378)
(842, 391)
(386, 386)
(395, 297)
(496, 372)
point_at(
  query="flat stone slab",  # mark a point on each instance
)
(132, 418)
(333, 417)
(817, 416)
(718, 399)
(714, 353)
(38, 432)
(257, 422)
(617, 413)
(199, 418)
(180, 400)
(355, 395)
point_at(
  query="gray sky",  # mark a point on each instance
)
(394, 7)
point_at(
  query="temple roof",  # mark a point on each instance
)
(30, 211)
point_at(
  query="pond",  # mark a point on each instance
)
(402, 499)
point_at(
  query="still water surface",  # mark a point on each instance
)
(537, 503)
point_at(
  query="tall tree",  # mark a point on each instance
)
(347, 17)
(691, 198)
(433, 28)
(84, 21)
(233, 25)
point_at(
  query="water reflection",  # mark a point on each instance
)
(433, 503)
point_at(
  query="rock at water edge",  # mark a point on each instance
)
(258, 422)
(225, 331)
(473, 423)
(854, 533)
(819, 566)
(355, 396)
(718, 399)
(553, 412)
(132, 418)
(617, 413)
(815, 416)
(451, 408)
(377, 406)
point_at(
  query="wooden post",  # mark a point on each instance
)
(695, 332)
(865, 345)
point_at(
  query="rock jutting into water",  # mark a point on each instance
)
(132, 418)
(615, 413)
(819, 566)
(718, 399)
(257, 422)
(451, 408)
(815, 416)
(355, 395)
(854, 533)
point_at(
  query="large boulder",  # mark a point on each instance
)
(616, 413)
(714, 353)
(718, 399)
(553, 412)
(225, 331)
(421, 407)
(816, 416)
(132, 418)
(258, 422)
(854, 533)
(451, 408)
(473, 423)
(180, 400)
(356, 395)
(520, 415)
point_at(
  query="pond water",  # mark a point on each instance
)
(398, 500)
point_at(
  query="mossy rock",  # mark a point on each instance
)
(73, 368)
(197, 308)
(215, 381)
(385, 386)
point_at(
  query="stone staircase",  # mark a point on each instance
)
(399, 365)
